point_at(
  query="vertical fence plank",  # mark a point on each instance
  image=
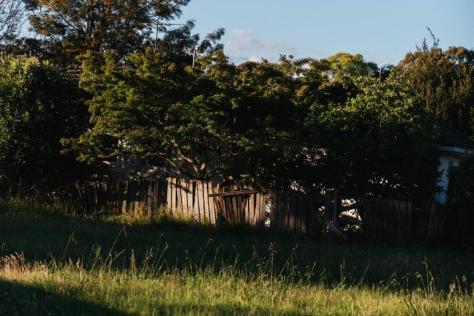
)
(212, 206)
(189, 199)
(174, 197)
(204, 204)
(184, 199)
(192, 194)
(150, 199)
(179, 198)
(170, 197)
(261, 209)
(196, 201)
(184, 190)
(274, 209)
(251, 210)
(123, 202)
(290, 210)
(157, 198)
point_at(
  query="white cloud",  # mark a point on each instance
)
(242, 45)
(254, 59)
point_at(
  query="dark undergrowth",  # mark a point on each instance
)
(41, 234)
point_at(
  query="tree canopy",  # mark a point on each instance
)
(73, 27)
(38, 107)
(290, 123)
(152, 97)
(444, 82)
(11, 16)
(376, 142)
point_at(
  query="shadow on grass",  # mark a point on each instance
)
(19, 299)
(42, 237)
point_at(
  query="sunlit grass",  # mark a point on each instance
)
(144, 290)
(66, 265)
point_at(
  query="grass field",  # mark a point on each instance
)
(53, 264)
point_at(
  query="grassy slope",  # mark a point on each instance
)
(67, 265)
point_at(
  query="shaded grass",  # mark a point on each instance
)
(122, 265)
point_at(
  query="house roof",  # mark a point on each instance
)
(452, 138)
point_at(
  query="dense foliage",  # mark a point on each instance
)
(151, 97)
(38, 107)
(11, 15)
(444, 82)
(376, 142)
(294, 122)
(73, 27)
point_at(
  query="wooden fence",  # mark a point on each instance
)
(388, 220)
(433, 222)
(204, 202)
(283, 210)
(126, 197)
(294, 211)
(400, 221)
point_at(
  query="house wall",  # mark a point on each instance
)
(446, 161)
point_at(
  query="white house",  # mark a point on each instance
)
(453, 147)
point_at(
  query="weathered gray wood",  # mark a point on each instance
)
(123, 197)
(261, 209)
(187, 199)
(289, 213)
(274, 209)
(150, 199)
(233, 193)
(205, 201)
(236, 215)
(191, 196)
(156, 186)
(214, 201)
(169, 195)
(298, 211)
(251, 210)
(174, 197)
(196, 202)
(183, 198)
(212, 204)
(192, 199)
(202, 203)
(200, 200)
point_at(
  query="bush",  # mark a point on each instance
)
(38, 108)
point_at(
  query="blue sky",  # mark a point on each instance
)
(383, 31)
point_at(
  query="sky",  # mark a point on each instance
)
(382, 31)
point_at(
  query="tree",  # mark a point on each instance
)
(211, 120)
(377, 142)
(38, 107)
(75, 26)
(344, 64)
(328, 80)
(444, 82)
(132, 107)
(11, 17)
